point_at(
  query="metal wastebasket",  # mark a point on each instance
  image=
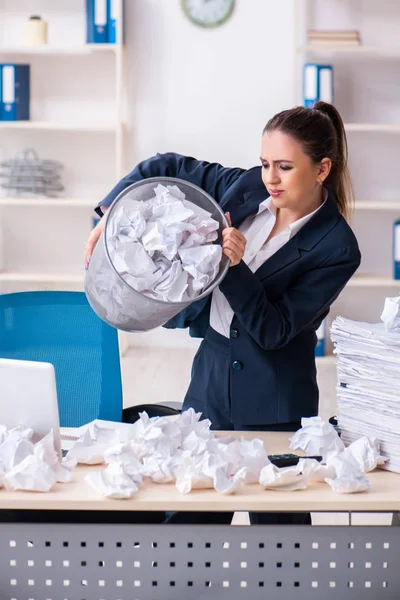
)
(110, 296)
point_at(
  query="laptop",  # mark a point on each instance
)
(28, 397)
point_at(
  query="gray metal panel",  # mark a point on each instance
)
(176, 562)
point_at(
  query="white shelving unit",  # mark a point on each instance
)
(371, 281)
(372, 127)
(65, 49)
(42, 278)
(378, 132)
(367, 51)
(107, 133)
(95, 127)
(43, 201)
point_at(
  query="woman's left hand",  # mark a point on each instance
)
(234, 243)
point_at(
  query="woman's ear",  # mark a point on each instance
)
(324, 169)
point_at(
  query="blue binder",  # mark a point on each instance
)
(325, 82)
(1, 93)
(15, 92)
(317, 84)
(96, 22)
(320, 347)
(112, 19)
(396, 249)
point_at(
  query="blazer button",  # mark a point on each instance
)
(234, 333)
(237, 365)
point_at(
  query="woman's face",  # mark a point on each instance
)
(289, 175)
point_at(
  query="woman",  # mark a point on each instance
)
(291, 253)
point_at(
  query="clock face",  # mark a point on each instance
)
(208, 13)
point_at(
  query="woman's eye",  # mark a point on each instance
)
(265, 166)
(286, 168)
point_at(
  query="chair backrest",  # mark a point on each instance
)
(61, 328)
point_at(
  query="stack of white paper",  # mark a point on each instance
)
(369, 382)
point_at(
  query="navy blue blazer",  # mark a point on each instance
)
(277, 309)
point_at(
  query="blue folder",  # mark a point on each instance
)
(15, 92)
(396, 249)
(96, 22)
(317, 84)
(320, 347)
(112, 19)
(1, 93)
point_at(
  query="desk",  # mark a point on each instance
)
(107, 561)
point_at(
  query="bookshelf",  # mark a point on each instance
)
(53, 49)
(96, 127)
(367, 97)
(70, 124)
(357, 51)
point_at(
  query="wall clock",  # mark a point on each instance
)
(208, 13)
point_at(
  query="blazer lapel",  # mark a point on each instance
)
(286, 255)
(308, 236)
(241, 206)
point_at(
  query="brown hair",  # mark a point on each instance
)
(321, 132)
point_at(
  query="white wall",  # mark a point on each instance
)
(367, 91)
(205, 93)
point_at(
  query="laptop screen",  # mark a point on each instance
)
(28, 397)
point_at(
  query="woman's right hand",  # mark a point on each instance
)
(92, 241)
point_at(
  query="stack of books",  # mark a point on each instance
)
(368, 385)
(319, 37)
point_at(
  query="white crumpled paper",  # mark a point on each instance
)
(349, 477)
(316, 438)
(287, 479)
(391, 314)
(31, 467)
(96, 438)
(115, 481)
(163, 247)
(342, 468)
(185, 451)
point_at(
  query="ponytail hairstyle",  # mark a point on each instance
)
(321, 133)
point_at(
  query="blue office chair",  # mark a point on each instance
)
(61, 328)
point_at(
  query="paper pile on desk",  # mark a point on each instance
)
(369, 380)
(163, 247)
(186, 452)
(342, 468)
(30, 467)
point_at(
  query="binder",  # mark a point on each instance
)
(96, 22)
(396, 249)
(310, 85)
(320, 347)
(15, 92)
(113, 17)
(326, 83)
(1, 92)
(317, 84)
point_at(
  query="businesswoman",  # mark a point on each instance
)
(292, 252)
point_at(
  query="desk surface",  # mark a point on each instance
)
(384, 494)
